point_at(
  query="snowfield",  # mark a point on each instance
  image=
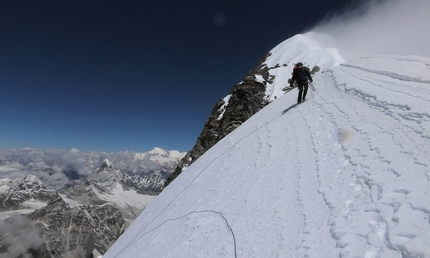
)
(344, 174)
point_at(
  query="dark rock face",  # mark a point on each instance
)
(56, 229)
(84, 228)
(246, 99)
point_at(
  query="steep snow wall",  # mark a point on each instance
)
(344, 174)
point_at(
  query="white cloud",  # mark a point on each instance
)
(45, 166)
(18, 234)
(56, 180)
(76, 160)
(381, 27)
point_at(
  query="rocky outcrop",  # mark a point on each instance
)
(76, 230)
(54, 229)
(245, 99)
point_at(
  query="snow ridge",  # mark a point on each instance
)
(313, 49)
(345, 174)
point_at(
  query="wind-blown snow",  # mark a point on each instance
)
(312, 49)
(380, 27)
(344, 174)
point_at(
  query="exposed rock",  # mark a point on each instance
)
(25, 188)
(84, 228)
(58, 229)
(246, 99)
(61, 230)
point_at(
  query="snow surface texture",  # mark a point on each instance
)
(344, 174)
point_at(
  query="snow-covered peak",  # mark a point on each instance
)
(312, 49)
(25, 182)
(157, 151)
(344, 174)
(107, 163)
(74, 150)
(24, 192)
(159, 158)
(162, 154)
(107, 176)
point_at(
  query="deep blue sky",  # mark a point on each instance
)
(131, 75)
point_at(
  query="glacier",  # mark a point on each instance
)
(344, 174)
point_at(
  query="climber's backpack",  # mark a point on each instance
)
(301, 74)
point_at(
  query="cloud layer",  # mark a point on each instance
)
(18, 235)
(381, 27)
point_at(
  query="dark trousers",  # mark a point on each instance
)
(303, 90)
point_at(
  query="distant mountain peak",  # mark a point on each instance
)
(158, 151)
(107, 163)
(24, 188)
(25, 182)
(106, 175)
(74, 150)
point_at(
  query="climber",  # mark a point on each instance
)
(302, 76)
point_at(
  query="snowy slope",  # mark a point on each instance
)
(345, 174)
(313, 49)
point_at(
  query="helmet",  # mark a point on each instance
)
(299, 64)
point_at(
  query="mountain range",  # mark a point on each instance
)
(88, 213)
(57, 168)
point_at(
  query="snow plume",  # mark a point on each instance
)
(381, 27)
(18, 234)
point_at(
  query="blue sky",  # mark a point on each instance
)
(114, 75)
